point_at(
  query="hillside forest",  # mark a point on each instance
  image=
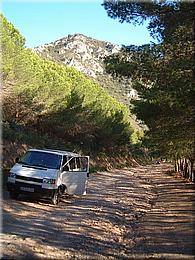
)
(46, 104)
(163, 74)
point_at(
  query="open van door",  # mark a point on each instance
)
(74, 174)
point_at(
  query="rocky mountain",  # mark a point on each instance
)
(87, 55)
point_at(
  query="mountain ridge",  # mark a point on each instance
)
(87, 55)
(84, 51)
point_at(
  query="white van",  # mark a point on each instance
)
(48, 173)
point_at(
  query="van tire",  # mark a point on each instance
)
(62, 189)
(55, 197)
(13, 195)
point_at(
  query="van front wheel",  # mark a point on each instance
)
(55, 198)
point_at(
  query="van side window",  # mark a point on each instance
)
(66, 167)
(78, 164)
(64, 160)
(84, 163)
(72, 164)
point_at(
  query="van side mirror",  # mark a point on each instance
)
(17, 160)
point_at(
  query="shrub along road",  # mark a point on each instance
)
(136, 213)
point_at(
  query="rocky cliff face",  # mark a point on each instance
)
(83, 53)
(87, 55)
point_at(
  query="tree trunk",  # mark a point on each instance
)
(175, 166)
(181, 165)
(186, 171)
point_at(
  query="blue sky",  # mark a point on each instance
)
(42, 22)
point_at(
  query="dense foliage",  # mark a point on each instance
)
(163, 74)
(48, 98)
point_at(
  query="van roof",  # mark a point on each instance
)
(60, 152)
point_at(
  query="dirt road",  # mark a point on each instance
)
(136, 213)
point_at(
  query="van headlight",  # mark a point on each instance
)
(12, 175)
(49, 181)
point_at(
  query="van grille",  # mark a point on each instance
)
(29, 179)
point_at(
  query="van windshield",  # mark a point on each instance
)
(41, 159)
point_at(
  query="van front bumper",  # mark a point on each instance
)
(30, 189)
